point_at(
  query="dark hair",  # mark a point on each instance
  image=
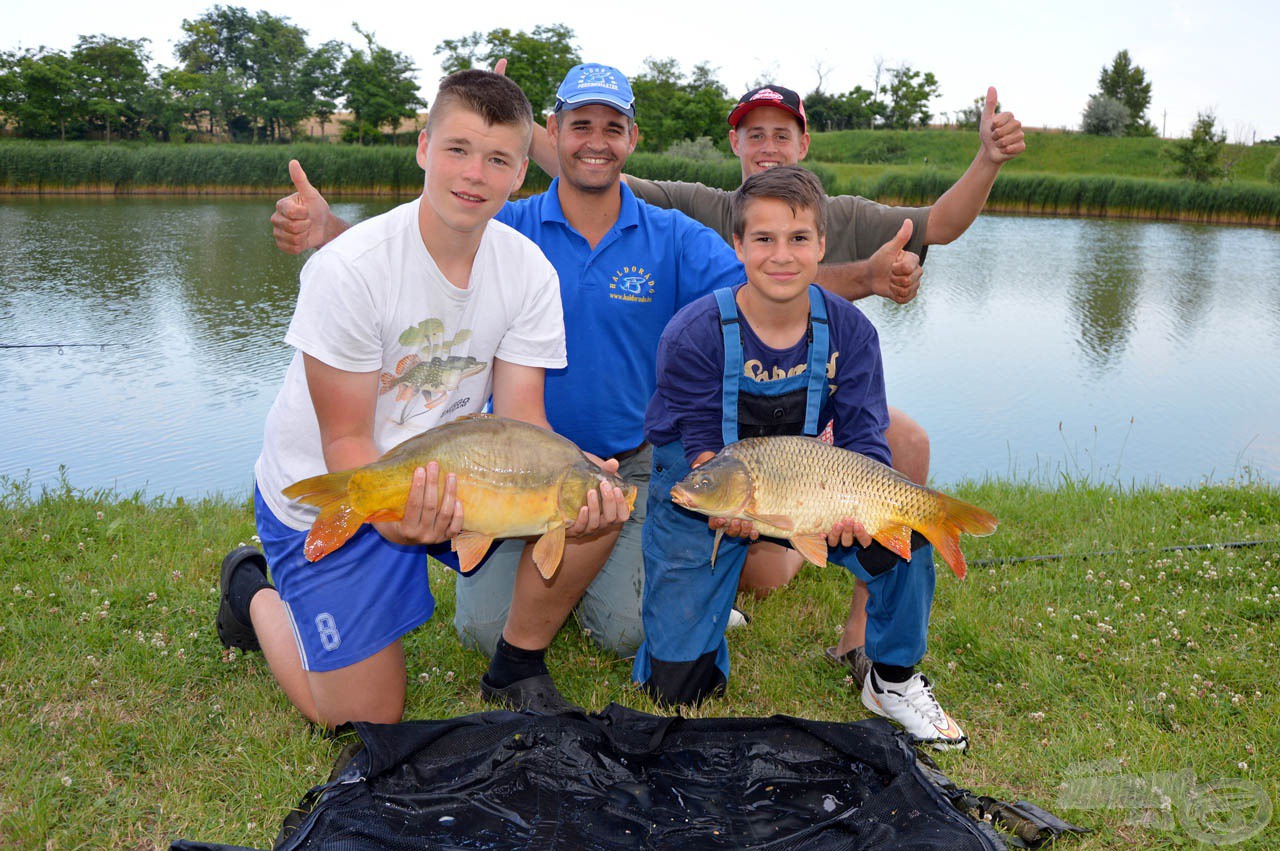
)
(491, 96)
(791, 183)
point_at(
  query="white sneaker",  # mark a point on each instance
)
(913, 705)
(737, 618)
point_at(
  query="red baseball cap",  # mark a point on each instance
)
(777, 96)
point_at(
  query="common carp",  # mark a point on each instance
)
(514, 479)
(797, 488)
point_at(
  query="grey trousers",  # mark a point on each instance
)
(609, 611)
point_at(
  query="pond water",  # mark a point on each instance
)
(141, 346)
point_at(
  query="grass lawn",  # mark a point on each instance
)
(124, 724)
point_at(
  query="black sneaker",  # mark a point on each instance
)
(537, 695)
(232, 631)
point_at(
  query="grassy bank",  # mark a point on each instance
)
(1061, 174)
(123, 724)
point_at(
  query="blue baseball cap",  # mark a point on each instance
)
(594, 83)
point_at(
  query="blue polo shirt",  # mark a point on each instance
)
(618, 297)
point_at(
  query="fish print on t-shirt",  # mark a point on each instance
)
(431, 372)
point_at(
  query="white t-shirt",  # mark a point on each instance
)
(374, 299)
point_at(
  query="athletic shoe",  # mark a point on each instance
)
(737, 618)
(913, 705)
(232, 631)
(537, 695)
(855, 662)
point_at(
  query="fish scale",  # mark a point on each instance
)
(798, 488)
(513, 479)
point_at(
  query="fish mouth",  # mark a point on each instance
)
(682, 497)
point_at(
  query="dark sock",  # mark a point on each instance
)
(246, 581)
(511, 664)
(892, 674)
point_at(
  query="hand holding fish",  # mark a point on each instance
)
(431, 514)
(845, 533)
(303, 220)
(1001, 133)
(606, 508)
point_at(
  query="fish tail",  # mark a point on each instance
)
(337, 521)
(957, 516)
(386, 381)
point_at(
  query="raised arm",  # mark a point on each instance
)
(303, 220)
(1002, 140)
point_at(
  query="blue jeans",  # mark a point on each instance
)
(610, 608)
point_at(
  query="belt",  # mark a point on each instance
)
(630, 453)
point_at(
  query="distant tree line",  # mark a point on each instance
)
(240, 77)
(252, 77)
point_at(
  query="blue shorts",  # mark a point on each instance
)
(356, 600)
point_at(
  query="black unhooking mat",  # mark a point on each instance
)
(623, 779)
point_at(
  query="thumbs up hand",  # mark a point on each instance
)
(895, 272)
(303, 220)
(1001, 133)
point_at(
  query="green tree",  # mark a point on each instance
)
(322, 78)
(1199, 157)
(968, 118)
(536, 61)
(670, 107)
(909, 93)
(278, 96)
(856, 109)
(40, 92)
(113, 76)
(379, 88)
(1128, 84)
(1104, 116)
(216, 48)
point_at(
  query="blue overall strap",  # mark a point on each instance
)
(818, 349)
(733, 364)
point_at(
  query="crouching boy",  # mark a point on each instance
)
(773, 356)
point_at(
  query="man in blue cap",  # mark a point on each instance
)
(624, 268)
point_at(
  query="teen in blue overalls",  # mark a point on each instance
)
(687, 601)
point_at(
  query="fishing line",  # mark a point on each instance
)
(1229, 545)
(61, 346)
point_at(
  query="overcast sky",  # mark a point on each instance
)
(1043, 58)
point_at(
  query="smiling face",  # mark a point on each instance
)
(767, 137)
(780, 248)
(592, 145)
(472, 167)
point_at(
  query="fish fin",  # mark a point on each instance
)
(406, 363)
(406, 392)
(548, 551)
(337, 520)
(777, 521)
(470, 547)
(385, 514)
(386, 381)
(812, 547)
(957, 516)
(715, 548)
(896, 538)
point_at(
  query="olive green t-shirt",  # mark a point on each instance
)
(856, 227)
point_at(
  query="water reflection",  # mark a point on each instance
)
(1122, 351)
(1105, 289)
